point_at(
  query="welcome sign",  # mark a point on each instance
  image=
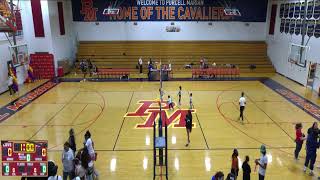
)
(169, 10)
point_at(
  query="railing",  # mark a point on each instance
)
(216, 73)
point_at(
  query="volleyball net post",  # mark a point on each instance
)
(160, 142)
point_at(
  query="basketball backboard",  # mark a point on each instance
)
(7, 21)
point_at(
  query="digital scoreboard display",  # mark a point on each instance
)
(24, 158)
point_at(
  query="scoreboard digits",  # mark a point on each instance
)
(24, 158)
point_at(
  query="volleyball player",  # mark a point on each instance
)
(188, 120)
(190, 101)
(179, 95)
(242, 103)
(170, 103)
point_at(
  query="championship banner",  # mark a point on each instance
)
(286, 11)
(317, 29)
(302, 10)
(310, 9)
(283, 21)
(316, 13)
(169, 10)
(291, 9)
(297, 30)
(297, 10)
(281, 10)
(292, 26)
(310, 25)
(287, 26)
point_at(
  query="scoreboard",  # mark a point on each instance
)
(24, 158)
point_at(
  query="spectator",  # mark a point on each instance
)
(52, 171)
(218, 176)
(10, 84)
(72, 141)
(235, 163)
(90, 146)
(300, 137)
(140, 63)
(94, 69)
(231, 176)
(246, 169)
(201, 63)
(87, 163)
(311, 147)
(90, 66)
(262, 162)
(150, 67)
(67, 161)
(83, 68)
(79, 170)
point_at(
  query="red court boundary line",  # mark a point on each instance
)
(25, 99)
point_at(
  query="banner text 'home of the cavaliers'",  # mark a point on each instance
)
(169, 10)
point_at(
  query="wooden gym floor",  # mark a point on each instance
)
(125, 152)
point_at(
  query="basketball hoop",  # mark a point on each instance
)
(232, 12)
(111, 11)
(7, 21)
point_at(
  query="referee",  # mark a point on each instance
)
(242, 103)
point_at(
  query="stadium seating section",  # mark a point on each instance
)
(125, 55)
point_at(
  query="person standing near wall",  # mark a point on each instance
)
(140, 63)
(10, 85)
(84, 68)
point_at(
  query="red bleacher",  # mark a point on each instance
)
(43, 66)
(113, 73)
(216, 73)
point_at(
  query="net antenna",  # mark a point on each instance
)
(229, 10)
(113, 7)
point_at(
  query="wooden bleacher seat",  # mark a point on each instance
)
(125, 54)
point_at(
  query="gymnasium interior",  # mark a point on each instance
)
(159, 89)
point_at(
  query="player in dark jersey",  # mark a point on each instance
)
(188, 125)
(179, 95)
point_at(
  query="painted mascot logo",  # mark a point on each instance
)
(151, 111)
